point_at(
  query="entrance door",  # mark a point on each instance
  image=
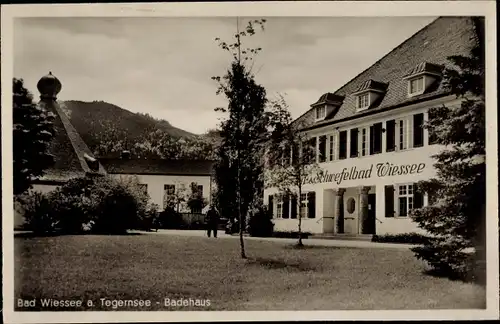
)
(369, 226)
(351, 214)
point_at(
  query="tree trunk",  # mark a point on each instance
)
(240, 215)
(299, 203)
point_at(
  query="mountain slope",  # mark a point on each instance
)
(93, 118)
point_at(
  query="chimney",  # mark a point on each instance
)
(125, 155)
(91, 162)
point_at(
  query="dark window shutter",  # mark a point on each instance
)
(295, 155)
(377, 138)
(418, 199)
(311, 204)
(322, 148)
(293, 213)
(371, 139)
(432, 136)
(343, 145)
(354, 142)
(390, 132)
(418, 130)
(314, 152)
(286, 207)
(389, 201)
(271, 204)
(431, 198)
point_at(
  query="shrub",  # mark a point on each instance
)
(407, 238)
(171, 219)
(100, 204)
(117, 212)
(260, 223)
(71, 211)
(37, 211)
(290, 234)
(150, 218)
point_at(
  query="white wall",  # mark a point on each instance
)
(421, 157)
(43, 188)
(156, 184)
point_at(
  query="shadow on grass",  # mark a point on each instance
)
(476, 277)
(33, 235)
(317, 247)
(280, 264)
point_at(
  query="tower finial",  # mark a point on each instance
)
(49, 86)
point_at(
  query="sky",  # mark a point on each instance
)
(163, 65)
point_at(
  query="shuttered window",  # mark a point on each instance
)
(418, 130)
(271, 205)
(279, 207)
(286, 207)
(309, 151)
(331, 150)
(389, 201)
(408, 199)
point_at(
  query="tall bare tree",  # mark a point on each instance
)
(241, 131)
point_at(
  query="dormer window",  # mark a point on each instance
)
(423, 78)
(416, 86)
(320, 112)
(369, 94)
(363, 101)
(327, 105)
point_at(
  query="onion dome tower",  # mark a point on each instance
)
(72, 157)
(49, 86)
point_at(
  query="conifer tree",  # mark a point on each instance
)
(455, 216)
(32, 132)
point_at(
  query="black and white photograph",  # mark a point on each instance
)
(251, 161)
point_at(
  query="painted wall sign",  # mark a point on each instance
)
(379, 170)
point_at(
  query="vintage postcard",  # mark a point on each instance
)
(249, 161)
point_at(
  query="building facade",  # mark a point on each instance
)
(369, 140)
(166, 180)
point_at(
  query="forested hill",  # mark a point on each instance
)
(100, 123)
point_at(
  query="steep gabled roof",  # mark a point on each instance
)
(158, 166)
(430, 47)
(72, 156)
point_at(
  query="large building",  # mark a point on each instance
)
(369, 139)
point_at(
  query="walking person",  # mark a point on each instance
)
(212, 221)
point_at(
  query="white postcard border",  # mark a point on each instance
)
(263, 9)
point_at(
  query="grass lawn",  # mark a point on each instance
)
(275, 277)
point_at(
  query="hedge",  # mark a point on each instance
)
(406, 238)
